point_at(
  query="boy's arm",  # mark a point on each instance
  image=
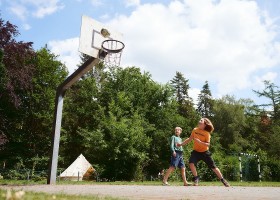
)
(186, 141)
(207, 140)
(203, 143)
(172, 148)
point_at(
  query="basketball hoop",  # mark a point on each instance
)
(111, 52)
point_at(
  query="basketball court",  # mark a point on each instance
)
(137, 192)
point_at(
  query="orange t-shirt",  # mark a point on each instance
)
(204, 136)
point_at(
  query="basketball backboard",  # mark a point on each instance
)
(93, 33)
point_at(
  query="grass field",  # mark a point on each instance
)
(216, 183)
(43, 196)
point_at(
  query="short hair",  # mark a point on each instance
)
(208, 125)
(178, 128)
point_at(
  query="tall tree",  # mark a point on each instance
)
(205, 101)
(17, 68)
(185, 103)
(272, 92)
(181, 88)
(29, 137)
(18, 62)
(229, 121)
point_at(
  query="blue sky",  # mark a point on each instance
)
(233, 44)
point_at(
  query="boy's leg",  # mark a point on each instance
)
(218, 172)
(220, 176)
(194, 159)
(168, 172)
(193, 169)
(183, 173)
(194, 172)
(211, 164)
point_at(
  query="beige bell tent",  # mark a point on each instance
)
(79, 170)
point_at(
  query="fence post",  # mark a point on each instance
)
(240, 167)
(28, 172)
(78, 176)
(259, 169)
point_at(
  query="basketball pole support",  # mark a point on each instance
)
(56, 128)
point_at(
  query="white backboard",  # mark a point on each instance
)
(90, 37)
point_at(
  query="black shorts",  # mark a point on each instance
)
(205, 156)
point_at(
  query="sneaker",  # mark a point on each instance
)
(195, 181)
(224, 181)
(165, 184)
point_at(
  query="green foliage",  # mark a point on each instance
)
(205, 102)
(229, 120)
(121, 119)
(30, 123)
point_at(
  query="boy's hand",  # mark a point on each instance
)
(174, 153)
(198, 140)
(178, 144)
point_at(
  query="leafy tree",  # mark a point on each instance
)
(271, 92)
(269, 121)
(30, 137)
(229, 121)
(17, 68)
(18, 61)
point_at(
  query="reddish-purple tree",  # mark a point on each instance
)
(17, 64)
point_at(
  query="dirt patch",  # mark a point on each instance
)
(137, 192)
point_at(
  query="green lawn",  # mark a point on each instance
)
(44, 196)
(176, 183)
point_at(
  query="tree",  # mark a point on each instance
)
(181, 88)
(30, 135)
(17, 68)
(205, 102)
(3, 137)
(229, 121)
(272, 92)
(185, 103)
(18, 62)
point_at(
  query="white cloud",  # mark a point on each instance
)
(105, 16)
(26, 27)
(224, 42)
(193, 93)
(259, 80)
(129, 3)
(46, 7)
(38, 8)
(96, 3)
(67, 51)
(19, 10)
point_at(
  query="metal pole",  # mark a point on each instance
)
(73, 78)
(259, 169)
(78, 176)
(240, 167)
(56, 137)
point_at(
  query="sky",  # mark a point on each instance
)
(233, 44)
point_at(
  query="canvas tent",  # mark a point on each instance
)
(79, 170)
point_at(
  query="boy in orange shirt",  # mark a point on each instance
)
(201, 136)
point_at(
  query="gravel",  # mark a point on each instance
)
(137, 192)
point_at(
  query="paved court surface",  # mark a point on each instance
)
(158, 192)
